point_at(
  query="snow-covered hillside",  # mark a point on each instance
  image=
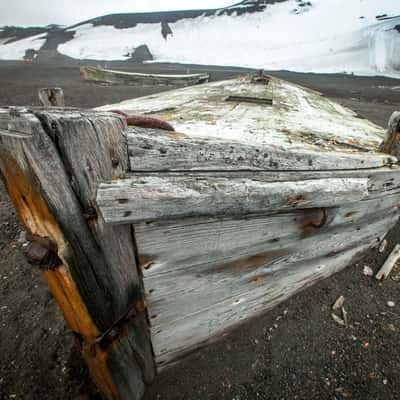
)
(357, 36)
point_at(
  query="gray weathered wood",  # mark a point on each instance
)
(156, 150)
(114, 77)
(94, 149)
(50, 173)
(167, 246)
(390, 262)
(150, 198)
(300, 130)
(51, 97)
(196, 303)
(381, 181)
(391, 142)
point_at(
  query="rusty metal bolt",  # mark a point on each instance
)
(42, 252)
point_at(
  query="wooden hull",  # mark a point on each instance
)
(230, 224)
(111, 77)
(161, 241)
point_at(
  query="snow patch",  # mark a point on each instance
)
(330, 36)
(16, 50)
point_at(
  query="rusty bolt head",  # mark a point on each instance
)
(42, 252)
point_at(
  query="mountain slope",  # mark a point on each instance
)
(354, 36)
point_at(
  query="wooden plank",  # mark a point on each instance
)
(167, 246)
(390, 262)
(172, 344)
(199, 272)
(381, 181)
(204, 285)
(41, 178)
(150, 198)
(94, 149)
(156, 150)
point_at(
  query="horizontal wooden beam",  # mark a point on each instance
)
(149, 198)
(155, 150)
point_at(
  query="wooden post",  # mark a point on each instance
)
(51, 97)
(391, 142)
(52, 163)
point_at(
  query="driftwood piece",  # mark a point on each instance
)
(51, 97)
(390, 262)
(149, 198)
(391, 142)
(51, 174)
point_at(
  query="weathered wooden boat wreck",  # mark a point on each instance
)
(155, 242)
(113, 77)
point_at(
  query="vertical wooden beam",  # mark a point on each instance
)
(51, 163)
(391, 142)
(51, 97)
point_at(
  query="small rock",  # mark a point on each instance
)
(338, 303)
(392, 328)
(385, 381)
(338, 320)
(382, 246)
(365, 345)
(367, 271)
(391, 304)
(372, 375)
(22, 237)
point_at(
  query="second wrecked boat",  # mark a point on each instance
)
(114, 77)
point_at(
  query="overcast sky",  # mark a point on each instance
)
(67, 12)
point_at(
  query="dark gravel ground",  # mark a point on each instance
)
(295, 351)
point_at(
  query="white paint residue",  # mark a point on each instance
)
(16, 50)
(329, 36)
(298, 118)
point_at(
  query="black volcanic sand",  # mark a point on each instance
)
(295, 351)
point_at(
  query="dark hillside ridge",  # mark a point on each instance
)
(130, 20)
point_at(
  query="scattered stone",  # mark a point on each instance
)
(385, 381)
(22, 237)
(391, 304)
(372, 375)
(365, 345)
(338, 320)
(338, 303)
(340, 390)
(392, 328)
(382, 246)
(367, 271)
(345, 317)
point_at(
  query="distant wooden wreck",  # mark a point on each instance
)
(113, 77)
(157, 241)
